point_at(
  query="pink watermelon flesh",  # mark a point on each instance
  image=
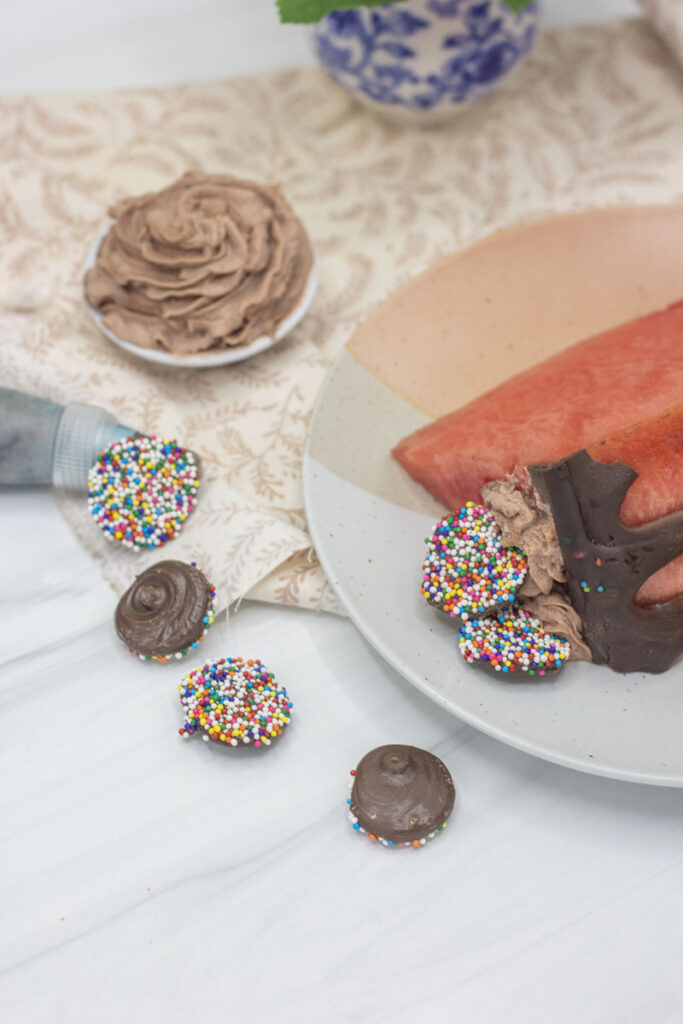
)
(595, 389)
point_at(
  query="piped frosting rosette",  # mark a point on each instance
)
(209, 263)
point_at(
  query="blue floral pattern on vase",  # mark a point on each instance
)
(426, 54)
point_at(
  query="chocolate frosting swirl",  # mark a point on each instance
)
(526, 522)
(208, 263)
(163, 611)
(401, 793)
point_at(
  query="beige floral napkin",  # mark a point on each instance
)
(594, 118)
(667, 18)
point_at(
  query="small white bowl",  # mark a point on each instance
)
(212, 358)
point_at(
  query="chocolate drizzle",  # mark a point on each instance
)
(607, 562)
(163, 612)
(401, 793)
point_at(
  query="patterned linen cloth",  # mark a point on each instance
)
(667, 18)
(594, 118)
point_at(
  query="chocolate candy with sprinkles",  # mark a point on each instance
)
(513, 642)
(234, 702)
(401, 795)
(166, 612)
(141, 491)
(467, 571)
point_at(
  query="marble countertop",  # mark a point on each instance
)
(146, 879)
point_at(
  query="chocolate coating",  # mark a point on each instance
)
(163, 611)
(607, 562)
(401, 793)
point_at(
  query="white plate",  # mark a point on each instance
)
(205, 360)
(368, 520)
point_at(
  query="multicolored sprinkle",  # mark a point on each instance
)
(514, 641)
(235, 702)
(141, 491)
(389, 842)
(467, 571)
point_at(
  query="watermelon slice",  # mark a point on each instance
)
(590, 391)
(654, 448)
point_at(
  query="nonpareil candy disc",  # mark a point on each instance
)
(467, 571)
(141, 491)
(234, 702)
(514, 641)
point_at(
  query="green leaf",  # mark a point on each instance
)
(517, 5)
(308, 11)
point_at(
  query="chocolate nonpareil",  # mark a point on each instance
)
(142, 490)
(166, 611)
(401, 795)
(235, 703)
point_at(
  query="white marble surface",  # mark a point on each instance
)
(150, 879)
(145, 879)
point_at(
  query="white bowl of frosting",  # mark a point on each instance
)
(206, 272)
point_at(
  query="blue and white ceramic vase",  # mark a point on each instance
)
(424, 60)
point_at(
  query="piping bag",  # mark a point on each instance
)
(43, 443)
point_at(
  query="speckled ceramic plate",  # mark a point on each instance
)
(461, 327)
(204, 360)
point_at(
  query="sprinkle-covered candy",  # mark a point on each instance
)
(234, 702)
(141, 491)
(514, 641)
(467, 571)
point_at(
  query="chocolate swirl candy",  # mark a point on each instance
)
(208, 263)
(166, 611)
(401, 795)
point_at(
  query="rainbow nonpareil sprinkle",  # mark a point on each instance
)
(467, 571)
(141, 491)
(415, 843)
(234, 702)
(514, 641)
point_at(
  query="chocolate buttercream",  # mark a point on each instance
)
(164, 611)
(401, 793)
(606, 563)
(208, 263)
(558, 616)
(526, 522)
